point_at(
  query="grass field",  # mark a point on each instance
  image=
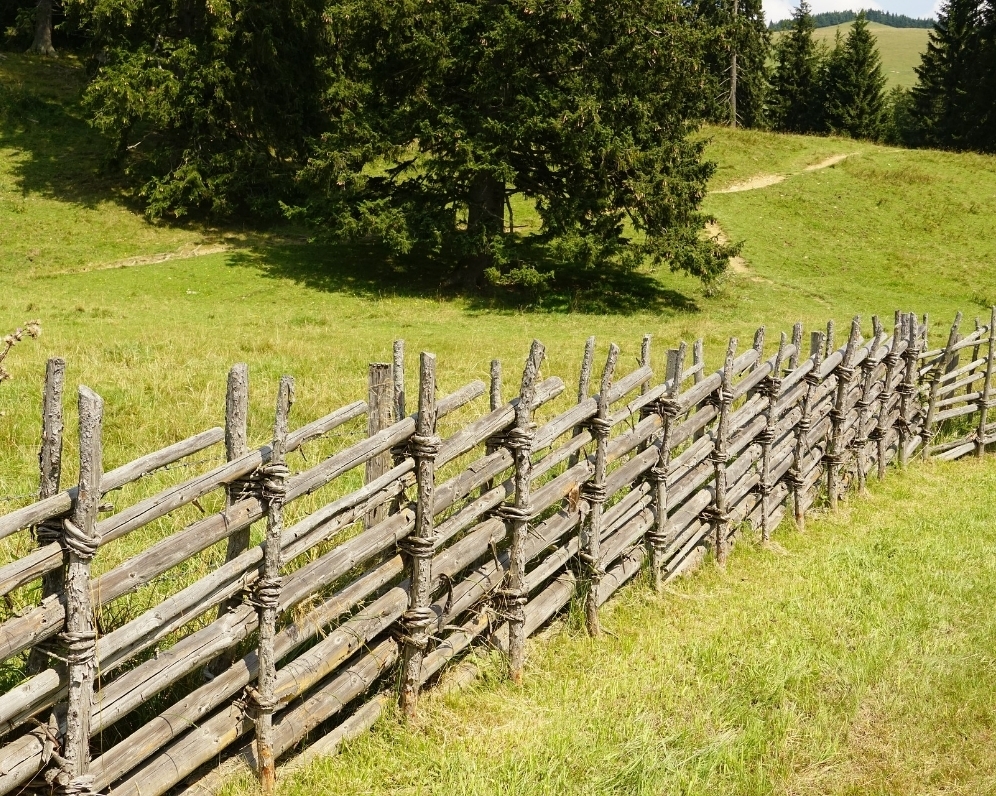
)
(900, 48)
(853, 622)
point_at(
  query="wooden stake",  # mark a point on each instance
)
(907, 388)
(584, 384)
(868, 367)
(797, 346)
(984, 399)
(834, 457)
(772, 388)
(420, 544)
(881, 431)
(398, 378)
(594, 493)
(718, 513)
(698, 358)
(49, 479)
(267, 597)
(81, 543)
(669, 409)
(795, 477)
(519, 440)
(236, 446)
(380, 403)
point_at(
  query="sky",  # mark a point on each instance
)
(775, 10)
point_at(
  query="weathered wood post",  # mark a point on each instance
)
(80, 638)
(49, 481)
(907, 387)
(645, 386)
(796, 345)
(584, 384)
(273, 487)
(698, 363)
(936, 372)
(512, 596)
(594, 493)
(419, 546)
(868, 367)
(718, 511)
(398, 380)
(880, 434)
(831, 344)
(834, 457)
(495, 402)
(668, 409)
(976, 350)
(771, 388)
(380, 406)
(236, 445)
(796, 478)
(985, 401)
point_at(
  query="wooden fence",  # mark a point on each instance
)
(480, 535)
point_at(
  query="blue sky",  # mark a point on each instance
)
(781, 9)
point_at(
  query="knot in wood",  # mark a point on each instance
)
(425, 447)
(267, 593)
(77, 542)
(418, 547)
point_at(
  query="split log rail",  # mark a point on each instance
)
(475, 534)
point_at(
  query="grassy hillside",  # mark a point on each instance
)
(900, 48)
(856, 659)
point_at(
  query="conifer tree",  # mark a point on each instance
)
(795, 86)
(946, 97)
(854, 84)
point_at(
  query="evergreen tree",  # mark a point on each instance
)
(443, 111)
(746, 34)
(854, 84)
(795, 86)
(950, 76)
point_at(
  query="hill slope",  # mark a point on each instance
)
(900, 48)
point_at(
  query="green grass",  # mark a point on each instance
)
(854, 659)
(885, 228)
(900, 49)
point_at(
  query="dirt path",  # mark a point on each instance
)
(764, 180)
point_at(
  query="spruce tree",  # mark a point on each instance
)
(950, 76)
(854, 84)
(795, 85)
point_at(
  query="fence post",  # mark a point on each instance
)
(907, 387)
(935, 375)
(398, 379)
(834, 458)
(796, 345)
(49, 480)
(771, 388)
(267, 597)
(831, 344)
(512, 595)
(419, 545)
(80, 638)
(868, 367)
(698, 362)
(984, 399)
(796, 477)
(236, 445)
(668, 409)
(718, 511)
(584, 383)
(594, 493)
(880, 434)
(380, 400)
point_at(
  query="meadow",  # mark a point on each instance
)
(900, 49)
(812, 666)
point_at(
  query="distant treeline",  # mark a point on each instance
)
(830, 18)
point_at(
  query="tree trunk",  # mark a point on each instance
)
(43, 29)
(485, 222)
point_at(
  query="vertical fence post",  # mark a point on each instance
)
(584, 384)
(907, 387)
(645, 386)
(771, 388)
(698, 362)
(796, 345)
(594, 493)
(81, 542)
(512, 595)
(495, 402)
(831, 344)
(976, 350)
(834, 457)
(718, 511)
(868, 367)
(267, 597)
(236, 445)
(668, 409)
(398, 379)
(380, 400)
(936, 372)
(880, 434)
(49, 480)
(796, 477)
(420, 544)
(984, 399)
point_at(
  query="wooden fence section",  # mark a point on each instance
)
(480, 535)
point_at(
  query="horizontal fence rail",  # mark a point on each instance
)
(376, 566)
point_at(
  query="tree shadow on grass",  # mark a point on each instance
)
(371, 272)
